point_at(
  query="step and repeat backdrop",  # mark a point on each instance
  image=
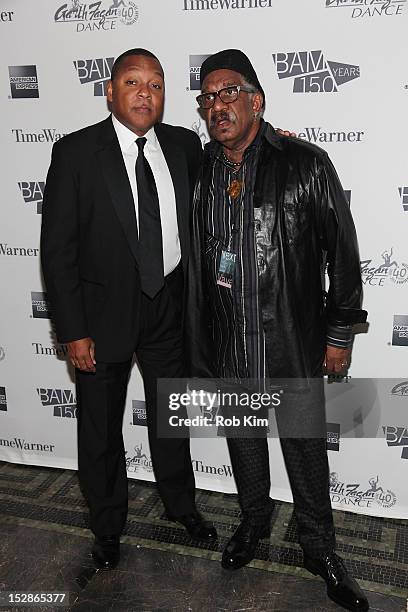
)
(335, 72)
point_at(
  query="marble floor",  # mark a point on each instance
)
(45, 547)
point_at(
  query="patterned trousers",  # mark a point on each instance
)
(307, 467)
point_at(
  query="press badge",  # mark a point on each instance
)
(226, 269)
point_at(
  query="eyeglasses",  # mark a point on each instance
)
(226, 95)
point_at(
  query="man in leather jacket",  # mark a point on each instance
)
(269, 213)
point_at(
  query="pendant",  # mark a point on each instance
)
(234, 189)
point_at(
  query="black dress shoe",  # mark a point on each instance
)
(106, 552)
(240, 550)
(341, 587)
(196, 526)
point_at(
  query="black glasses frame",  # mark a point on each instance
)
(200, 99)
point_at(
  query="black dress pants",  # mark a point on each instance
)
(101, 400)
(301, 424)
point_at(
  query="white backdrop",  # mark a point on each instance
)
(335, 71)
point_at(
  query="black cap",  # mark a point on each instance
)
(231, 59)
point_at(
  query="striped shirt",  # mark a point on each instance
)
(236, 311)
(229, 226)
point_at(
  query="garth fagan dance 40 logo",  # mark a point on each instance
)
(369, 8)
(96, 71)
(312, 73)
(374, 272)
(356, 494)
(139, 461)
(100, 15)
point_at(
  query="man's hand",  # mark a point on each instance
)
(82, 354)
(337, 360)
(286, 133)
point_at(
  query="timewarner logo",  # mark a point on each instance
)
(6, 16)
(45, 135)
(23, 444)
(96, 71)
(13, 251)
(318, 134)
(312, 73)
(214, 5)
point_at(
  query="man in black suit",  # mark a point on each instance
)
(114, 247)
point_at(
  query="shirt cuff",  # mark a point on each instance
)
(340, 336)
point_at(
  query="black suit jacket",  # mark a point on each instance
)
(89, 233)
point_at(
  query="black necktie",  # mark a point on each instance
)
(150, 248)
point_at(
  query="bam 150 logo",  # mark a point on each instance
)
(403, 191)
(33, 193)
(369, 8)
(96, 71)
(61, 400)
(312, 73)
(397, 436)
(100, 15)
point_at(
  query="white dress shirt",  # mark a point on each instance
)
(164, 185)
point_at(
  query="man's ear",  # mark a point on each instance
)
(257, 102)
(109, 91)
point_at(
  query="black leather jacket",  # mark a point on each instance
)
(302, 220)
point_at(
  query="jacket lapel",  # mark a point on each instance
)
(177, 164)
(117, 180)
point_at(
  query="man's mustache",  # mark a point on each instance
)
(223, 115)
